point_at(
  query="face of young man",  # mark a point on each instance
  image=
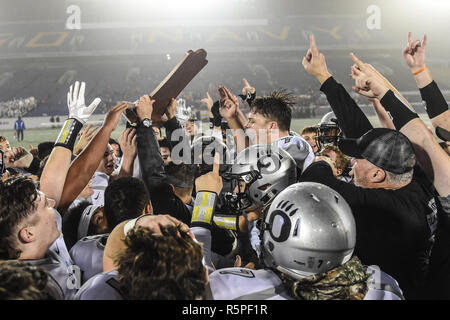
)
(258, 128)
(107, 164)
(191, 128)
(100, 222)
(165, 153)
(5, 146)
(311, 139)
(41, 223)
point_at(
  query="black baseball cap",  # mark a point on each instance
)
(388, 149)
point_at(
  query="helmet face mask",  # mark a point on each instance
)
(328, 131)
(307, 229)
(266, 171)
(327, 135)
(240, 200)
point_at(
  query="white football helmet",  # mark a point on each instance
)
(266, 171)
(308, 229)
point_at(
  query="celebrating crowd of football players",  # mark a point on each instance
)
(246, 209)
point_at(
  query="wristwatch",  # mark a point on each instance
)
(147, 122)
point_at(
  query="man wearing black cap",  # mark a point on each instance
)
(392, 200)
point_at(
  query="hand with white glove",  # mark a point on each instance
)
(78, 115)
(76, 104)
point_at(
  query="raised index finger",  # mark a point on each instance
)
(313, 46)
(246, 84)
(216, 164)
(357, 61)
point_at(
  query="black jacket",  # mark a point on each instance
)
(164, 201)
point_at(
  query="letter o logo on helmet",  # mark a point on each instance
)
(279, 226)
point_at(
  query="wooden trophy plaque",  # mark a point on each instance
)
(175, 82)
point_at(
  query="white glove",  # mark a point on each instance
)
(76, 105)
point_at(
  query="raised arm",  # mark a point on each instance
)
(150, 159)
(55, 171)
(84, 166)
(430, 155)
(128, 147)
(229, 105)
(351, 119)
(383, 116)
(437, 107)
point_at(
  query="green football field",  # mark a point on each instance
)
(36, 136)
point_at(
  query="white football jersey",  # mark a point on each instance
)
(59, 265)
(65, 276)
(99, 183)
(299, 149)
(264, 284)
(87, 254)
(103, 286)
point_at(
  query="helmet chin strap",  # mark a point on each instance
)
(296, 275)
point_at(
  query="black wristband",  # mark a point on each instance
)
(216, 113)
(435, 103)
(211, 123)
(399, 112)
(68, 134)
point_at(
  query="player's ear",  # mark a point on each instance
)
(27, 234)
(98, 218)
(273, 125)
(377, 175)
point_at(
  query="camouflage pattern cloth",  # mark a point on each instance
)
(347, 282)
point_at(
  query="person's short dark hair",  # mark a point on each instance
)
(44, 149)
(71, 220)
(277, 107)
(113, 141)
(164, 143)
(17, 202)
(22, 281)
(181, 176)
(125, 198)
(166, 266)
